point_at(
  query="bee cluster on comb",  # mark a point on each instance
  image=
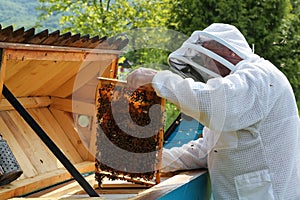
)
(129, 133)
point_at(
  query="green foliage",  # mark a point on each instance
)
(259, 21)
(287, 48)
(112, 18)
(106, 17)
(272, 26)
(172, 113)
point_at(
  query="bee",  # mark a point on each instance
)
(138, 104)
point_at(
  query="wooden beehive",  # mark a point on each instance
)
(130, 133)
(54, 77)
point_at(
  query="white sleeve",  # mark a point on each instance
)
(222, 104)
(174, 88)
(192, 155)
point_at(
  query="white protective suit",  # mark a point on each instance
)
(251, 140)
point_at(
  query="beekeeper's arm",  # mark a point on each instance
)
(222, 104)
(189, 156)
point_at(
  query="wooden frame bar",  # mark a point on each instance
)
(103, 82)
(28, 47)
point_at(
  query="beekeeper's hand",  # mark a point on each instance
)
(141, 77)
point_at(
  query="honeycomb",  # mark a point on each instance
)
(129, 133)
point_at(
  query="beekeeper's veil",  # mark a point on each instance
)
(193, 60)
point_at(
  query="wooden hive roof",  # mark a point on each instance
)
(48, 64)
(9, 35)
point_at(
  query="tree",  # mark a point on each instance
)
(110, 18)
(105, 17)
(287, 51)
(271, 26)
(259, 21)
(143, 21)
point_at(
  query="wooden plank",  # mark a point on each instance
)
(67, 87)
(37, 152)
(115, 184)
(6, 33)
(70, 40)
(88, 74)
(27, 102)
(62, 83)
(70, 189)
(69, 70)
(66, 122)
(47, 121)
(116, 187)
(169, 185)
(28, 33)
(93, 139)
(81, 78)
(62, 38)
(113, 69)
(67, 105)
(28, 74)
(18, 35)
(62, 71)
(16, 148)
(2, 69)
(94, 42)
(160, 144)
(81, 41)
(89, 89)
(20, 54)
(17, 51)
(120, 191)
(15, 66)
(128, 178)
(88, 71)
(38, 38)
(40, 78)
(20, 187)
(46, 77)
(52, 38)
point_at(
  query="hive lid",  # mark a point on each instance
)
(9, 35)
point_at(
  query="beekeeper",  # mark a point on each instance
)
(251, 139)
